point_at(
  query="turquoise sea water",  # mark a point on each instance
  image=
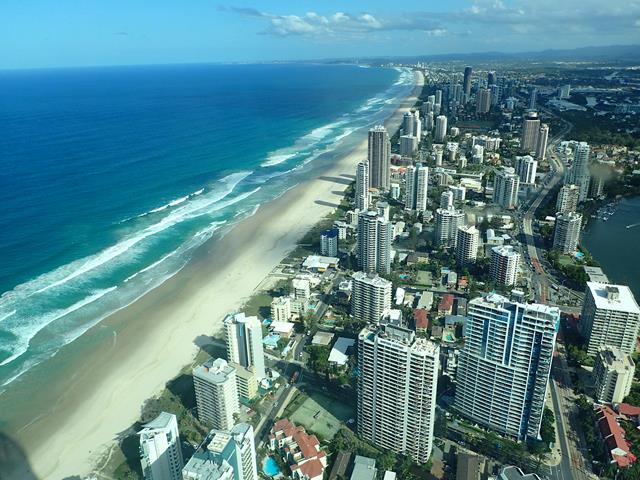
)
(112, 177)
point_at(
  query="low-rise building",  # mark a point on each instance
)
(281, 309)
(613, 436)
(299, 449)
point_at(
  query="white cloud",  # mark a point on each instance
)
(491, 17)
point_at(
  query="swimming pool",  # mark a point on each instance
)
(270, 467)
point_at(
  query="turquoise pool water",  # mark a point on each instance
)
(270, 467)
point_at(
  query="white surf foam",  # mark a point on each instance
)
(28, 328)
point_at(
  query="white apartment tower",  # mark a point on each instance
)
(568, 199)
(567, 231)
(610, 316)
(374, 243)
(379, 157)
(236, 446)
(416, 183)
(506, 188)
(362, 186)
(612, 375)
(526, 168)
(505, 262)
(530, 129)
(467, 244)
(370, 297)
(446, 199)
(408, 123)
(216, 393)
(329, 242)
(408, 145)
(541, 142)
(397, 390)
(160, 451)
(243, 336)
(483, 101)
(578, 174)
(504, 366)
(447, 223)
(441, 128)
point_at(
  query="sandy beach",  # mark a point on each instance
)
(147, 343)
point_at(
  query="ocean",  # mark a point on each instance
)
(111, 178)
(613, 245)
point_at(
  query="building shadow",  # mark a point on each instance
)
(339, 193)
(341, 181)
(211, 346)
(347, 175)
(327, 204)
(13, 461)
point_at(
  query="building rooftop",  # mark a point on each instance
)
(202, 466)
(514, 473)
(214, 371)
(371, 278)
(339, 351)
(322, 338)
(596, 274)
(364, 468)
(613, 297)
(161, 421)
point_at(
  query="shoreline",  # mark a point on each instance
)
(148, 342)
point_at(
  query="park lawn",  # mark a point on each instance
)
(424, 278)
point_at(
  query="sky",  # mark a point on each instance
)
(64, 33)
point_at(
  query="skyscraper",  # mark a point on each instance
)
(578, 174)
(467, 244)
(374, 243)
(237, 447)
(567, 232)
(506, 188)
(416, 183)
(370, 297)
(228, 455)
(466, 83)
(216, 393)
(526, 168)
(504, 366)
(447, 223)
(160, 450)
(379, 156)
(491, 78)
(329, 242)
(362, 186)
(441, 128)
(243, 336)
(541, 142)
(408, 145)
(612, 375)
(483, 101)
(610, 316)
(533, 96)
(408, 123)
(505, 262)
(397, 381)
(568, 199)
(530, 129)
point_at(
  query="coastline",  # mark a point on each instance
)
(147, 343)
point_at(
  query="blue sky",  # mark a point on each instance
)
(55, 33)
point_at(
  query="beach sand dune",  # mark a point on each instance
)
(147, 343)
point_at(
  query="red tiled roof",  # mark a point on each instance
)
(628, 410)
(312, 468)
(306, 443)
(613, 435)
(447, 302)
(421, 317)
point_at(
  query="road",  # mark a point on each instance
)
(572, 465)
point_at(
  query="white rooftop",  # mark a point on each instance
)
(613, 297)
(282, 327)
(339, 351)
